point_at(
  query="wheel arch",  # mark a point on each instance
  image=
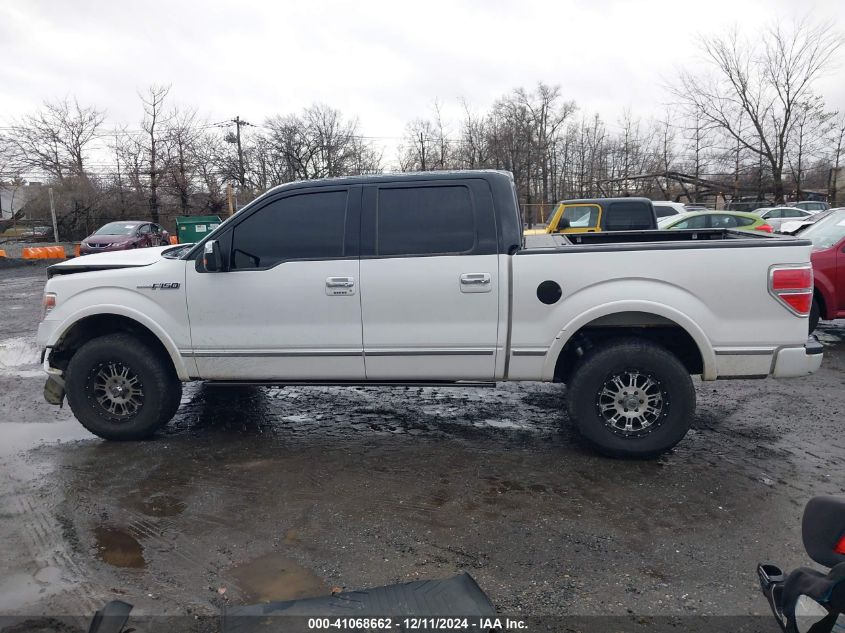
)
(75, 332)
(642, 319)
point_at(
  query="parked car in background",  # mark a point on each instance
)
(776, 216)
(793, 227)
(828, 258)
(715, 220)
(696, 207)
(120, 236)
(747, 205)
(665, 209)
(595, 215)
(37, 233)
(811, 205)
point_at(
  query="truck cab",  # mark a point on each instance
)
(593, 215)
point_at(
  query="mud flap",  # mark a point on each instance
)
(456, 597)
(54, 390)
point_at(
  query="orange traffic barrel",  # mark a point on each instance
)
(29, 253)
(174, 239)
(76, 250)
(2, 253)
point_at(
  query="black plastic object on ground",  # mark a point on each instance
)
(111, 618)
(456, 597)
(807, 599)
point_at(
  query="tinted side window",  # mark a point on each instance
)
(663, 211)
(740, 221)
(424, 220)
(144, 229)
(629, 216)
(305, 226)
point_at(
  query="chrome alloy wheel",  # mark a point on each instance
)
(632, 403)
(117, 389)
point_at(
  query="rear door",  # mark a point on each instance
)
(429, 280)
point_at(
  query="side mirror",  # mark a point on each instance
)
(212, 259)
(563, 224)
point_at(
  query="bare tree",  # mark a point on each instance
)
(179, 139)
(55, 139)
(811, 127)
(153, 124)
(761, 82)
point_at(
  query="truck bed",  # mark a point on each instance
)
(644, 240)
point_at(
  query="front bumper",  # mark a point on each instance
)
(791, 362)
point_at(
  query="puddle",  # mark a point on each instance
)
(276, 577)
(19, 436)
(119, 548)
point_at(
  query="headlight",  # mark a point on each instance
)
(48, 303)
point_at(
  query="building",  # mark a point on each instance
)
(14, 197)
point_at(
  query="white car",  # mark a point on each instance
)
(664, 208)
(776, 216)
(426, 279)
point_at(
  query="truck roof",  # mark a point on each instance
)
(407, 176)
(601, 201)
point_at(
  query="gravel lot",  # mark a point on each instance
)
(256, 494)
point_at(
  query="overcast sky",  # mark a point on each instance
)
(384, 62)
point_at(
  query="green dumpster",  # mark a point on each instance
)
(192, 228)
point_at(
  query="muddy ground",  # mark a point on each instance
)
(260, 494)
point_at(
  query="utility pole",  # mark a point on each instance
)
(230, 197)
(53, 213)
(422, 152)
(239, 123)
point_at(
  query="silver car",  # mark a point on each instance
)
(776, 216)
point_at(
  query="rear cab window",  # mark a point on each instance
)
(444, 217)
(630, 215)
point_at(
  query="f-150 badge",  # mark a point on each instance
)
(167, 285)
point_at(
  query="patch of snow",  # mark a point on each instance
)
(19, 357)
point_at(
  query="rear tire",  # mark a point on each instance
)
(631, 398)
(815, 314)
(120, 388)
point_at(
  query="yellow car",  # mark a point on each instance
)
(600, 214)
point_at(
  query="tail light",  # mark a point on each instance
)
(766, 228)
(793, 287)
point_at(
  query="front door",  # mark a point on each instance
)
(430, 281)
(289, 306)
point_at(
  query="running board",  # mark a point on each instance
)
(346, 383)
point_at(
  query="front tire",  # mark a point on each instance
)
(120, 388)
(631, 398)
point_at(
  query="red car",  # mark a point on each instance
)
(828, 257)
(120, 236)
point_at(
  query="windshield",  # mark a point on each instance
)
(827, 231)
(117, 228)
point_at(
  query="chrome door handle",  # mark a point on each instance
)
(475, 279)
(340, 282)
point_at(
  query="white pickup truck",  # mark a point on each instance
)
(426, 279)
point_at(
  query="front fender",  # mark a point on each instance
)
(134, 306)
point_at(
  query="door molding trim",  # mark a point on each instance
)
(417, 351)
(267, 353)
